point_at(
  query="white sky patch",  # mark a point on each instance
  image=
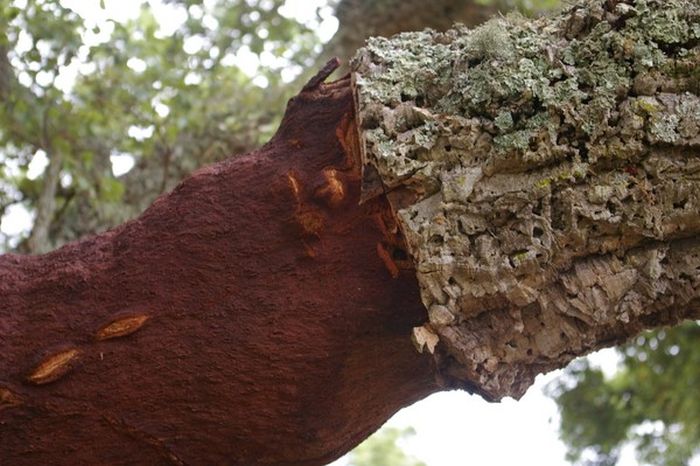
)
(24, 79)
(104, 31)
(270, 60)
(454, 429)
(192, 79)
(261, 81)
(140, 133)
(24, 42)
(44, 78)
(16, 221)
(210, 22)
(66, 179)
(37, 165)
(193, 44)
(196, 11)
(117, 10)
(161, 109)
(67, 76)
(290, 73)
(11, 166)
(170, 17)
(245, 59)
(136, 64)
(304, 11)
(329, 24)
(43, 46)
(121, 163)
(607, 360)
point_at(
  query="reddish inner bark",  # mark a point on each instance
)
(255, 315)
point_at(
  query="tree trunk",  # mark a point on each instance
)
(262, 312)
(360, 19)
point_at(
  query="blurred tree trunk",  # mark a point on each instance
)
(263, 311)
(360, 19)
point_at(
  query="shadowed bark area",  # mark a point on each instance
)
(251, 316)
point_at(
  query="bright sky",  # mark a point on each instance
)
(452, 428)
(458, 429)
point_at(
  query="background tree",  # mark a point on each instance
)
(129, 99)
(649, 401)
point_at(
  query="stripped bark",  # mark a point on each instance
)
(245, 318)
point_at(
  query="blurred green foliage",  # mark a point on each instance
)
(652, 402)
(384, 449)
(180, 96)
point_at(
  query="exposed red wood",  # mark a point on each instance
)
(245, 318)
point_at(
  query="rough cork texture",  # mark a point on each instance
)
(546, 176)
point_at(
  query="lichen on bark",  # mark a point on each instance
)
(546, 176)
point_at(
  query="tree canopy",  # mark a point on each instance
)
(172, 98)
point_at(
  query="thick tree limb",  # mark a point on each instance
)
(545, 180)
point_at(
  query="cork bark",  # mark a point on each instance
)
(546, 176)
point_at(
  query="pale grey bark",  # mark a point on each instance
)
(546, 176)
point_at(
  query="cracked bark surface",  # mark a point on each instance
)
(546, 176)
(539, 179)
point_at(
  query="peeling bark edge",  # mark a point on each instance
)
(545, 177)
